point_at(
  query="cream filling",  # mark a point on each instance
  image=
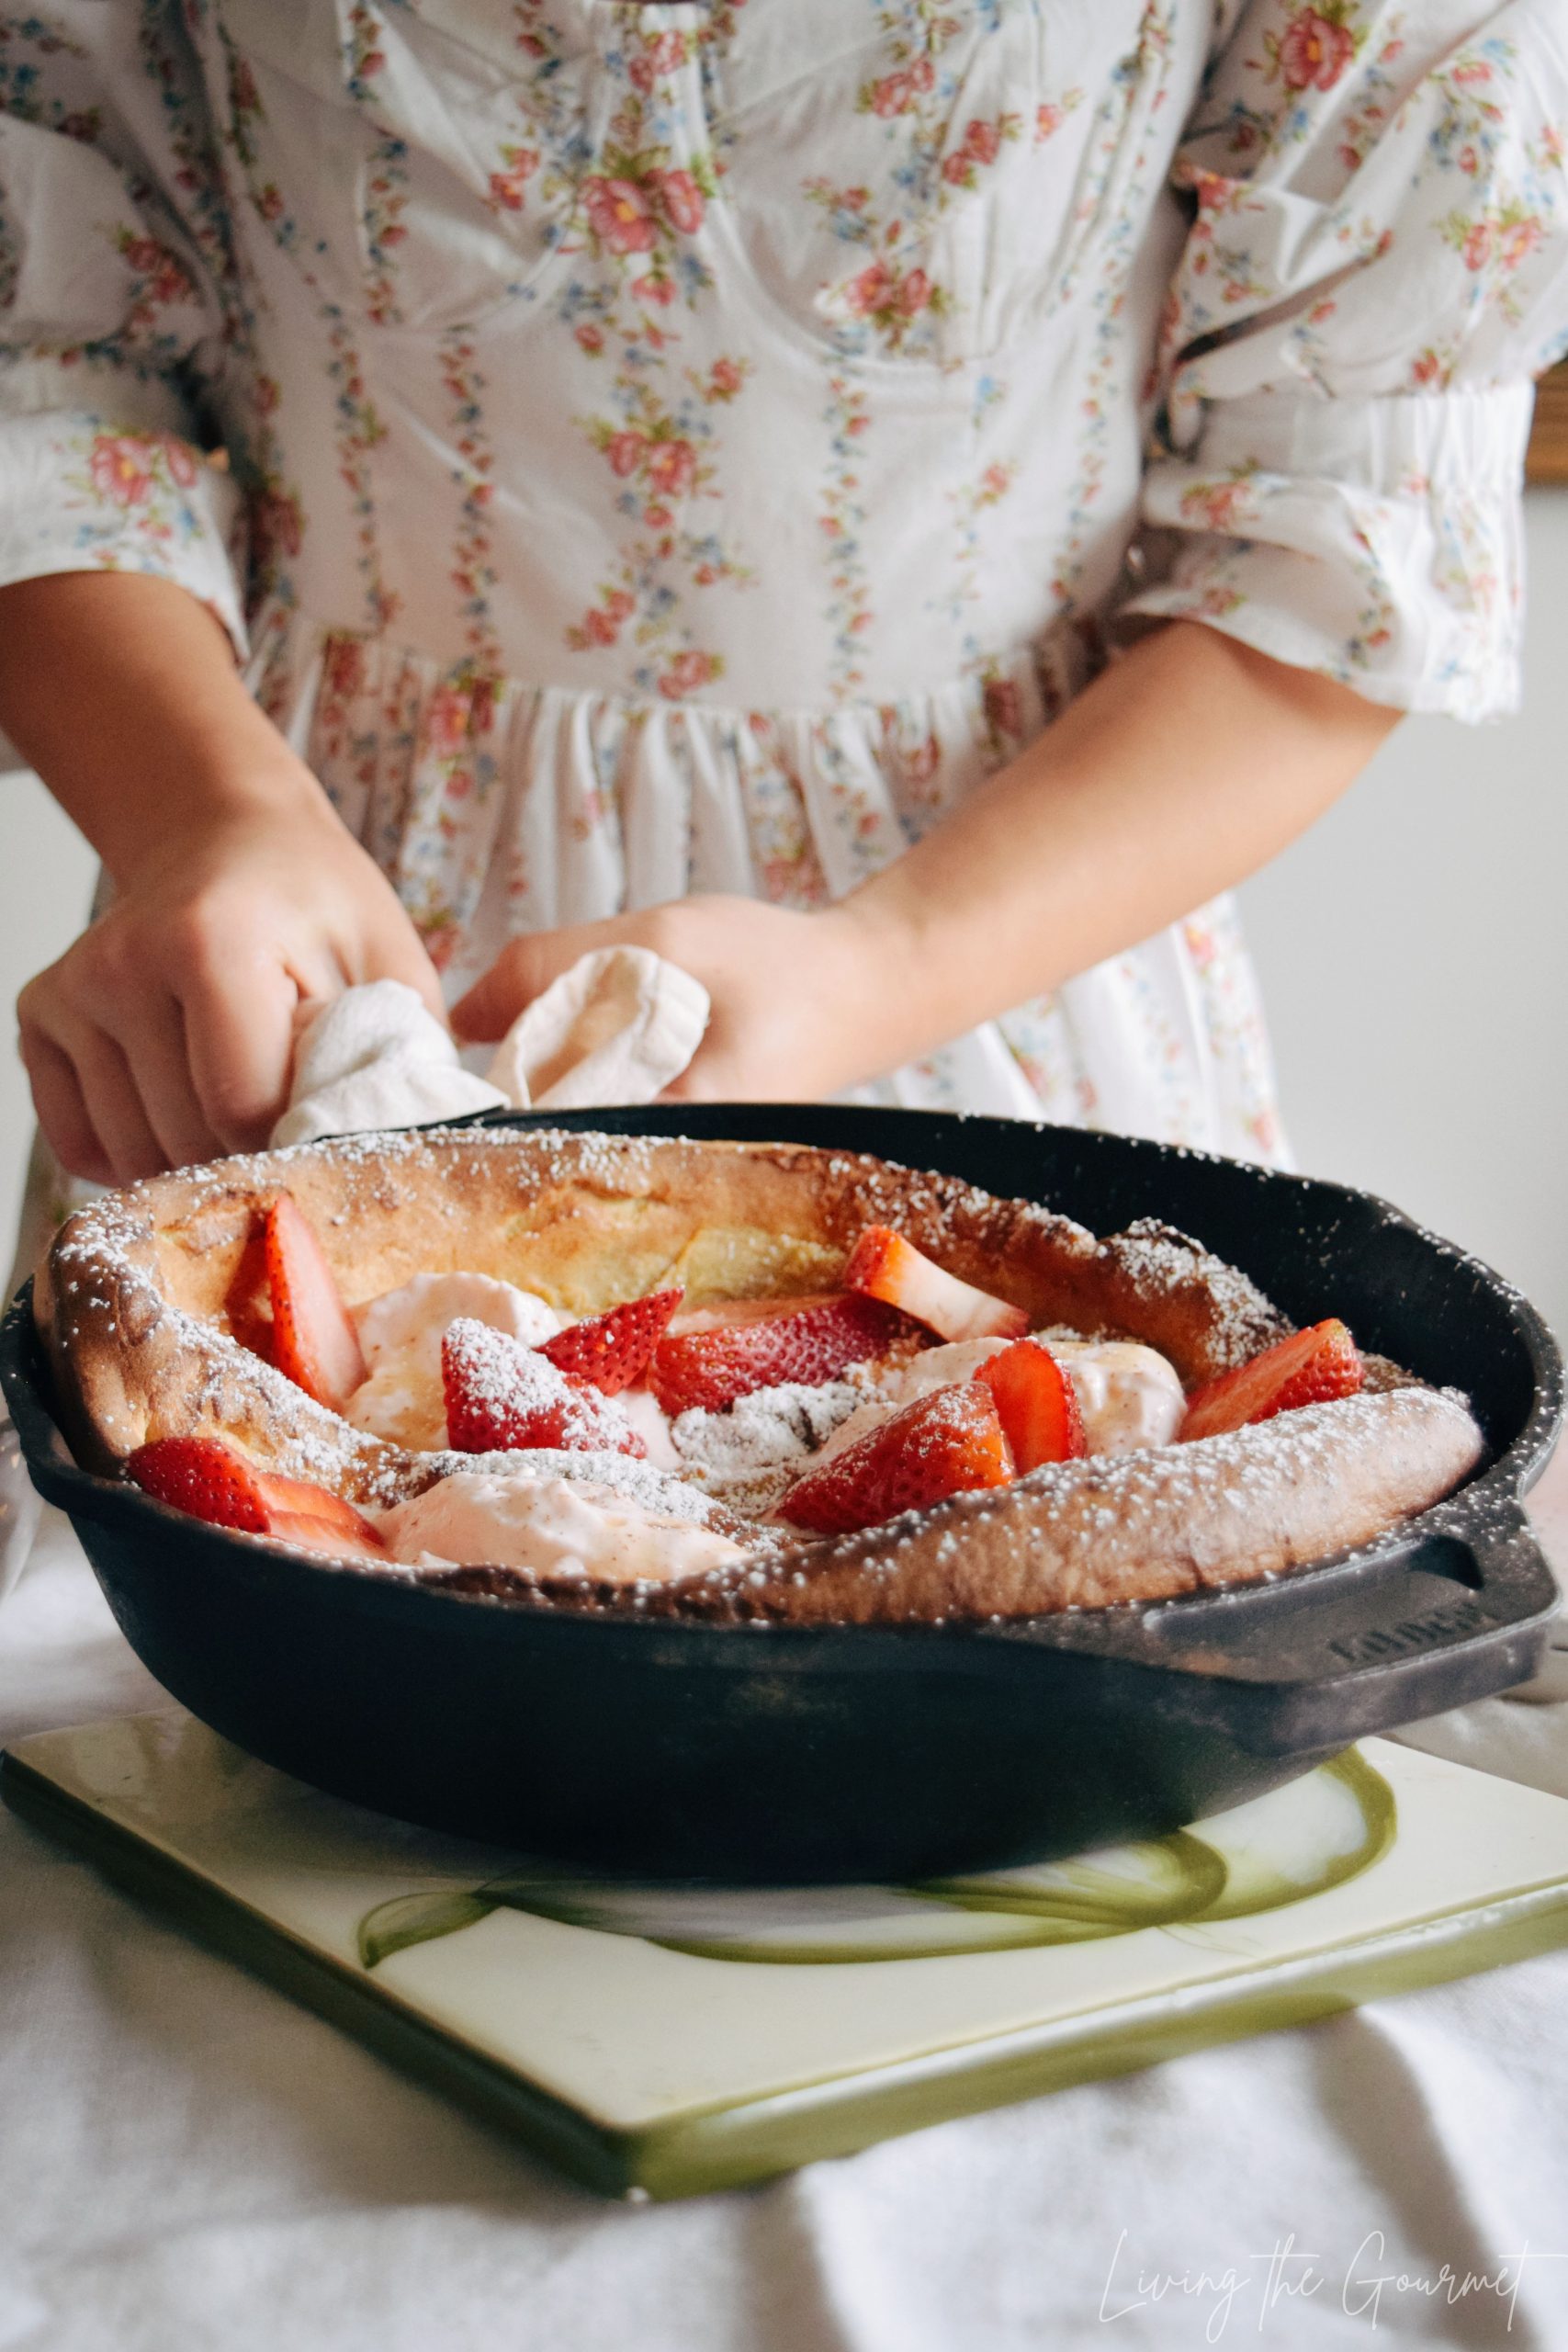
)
(401, 1332)
(1129, 1396)
(551, 1526)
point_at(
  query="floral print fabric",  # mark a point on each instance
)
(642, 449)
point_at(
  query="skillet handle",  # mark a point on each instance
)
(1462, 1614)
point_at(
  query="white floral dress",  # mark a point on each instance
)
(651, 449)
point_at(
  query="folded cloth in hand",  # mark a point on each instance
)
(617, 1028)
(376, 1056)
(614, 1029)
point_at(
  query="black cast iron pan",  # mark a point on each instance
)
(756, 1753)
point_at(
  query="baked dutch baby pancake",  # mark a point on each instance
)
(583, 1372)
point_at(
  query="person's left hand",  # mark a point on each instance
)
(797, 998)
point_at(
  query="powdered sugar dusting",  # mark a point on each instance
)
(509, 1386)
(748, 1455)
(106, 1273)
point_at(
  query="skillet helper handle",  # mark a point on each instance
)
(1467, 1614)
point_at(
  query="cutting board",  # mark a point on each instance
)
(659, 2040)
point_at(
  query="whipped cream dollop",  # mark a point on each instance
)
(1129, 1396)
(400, 1333)
(554, 1527)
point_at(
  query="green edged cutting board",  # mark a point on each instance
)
(657, 2040)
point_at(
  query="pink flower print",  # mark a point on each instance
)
(345, 663)
(1048, 120)
(1314, 51)
(920, 763)
(1427, 368)
(912, 293)
(590, 337)
(277, 526)
(671, 466)
(180, 458)
(895, 94)
(446, 720)
(119, 469)
(1470, 71)
(1477, 246)
(660, 57)
(983, 141)
(680, 199)
(687, 672)
(624, 451)
(243, 94)
(1518, 240)
(870, 289)
(1218, 505)
(1469, 161)
(619, 214)
(726, 379)
(1004, 710)
(165, 273)
(620, 604)
(506, 189)
(658, 519)
(654, 290)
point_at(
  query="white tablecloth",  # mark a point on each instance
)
(190, 2164)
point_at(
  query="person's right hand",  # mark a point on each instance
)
(165, 1033)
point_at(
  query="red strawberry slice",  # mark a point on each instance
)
(314, 1338)
(1037, 1403)
(612, 1350)
(209, 1480)
(1312, 1367)
(805, 1345)
(886, 1266)
(944, 1443)
(503, 1397)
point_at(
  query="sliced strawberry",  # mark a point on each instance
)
(209, 1480)
(1312, 1367)
(886, 1266)
(612, 1350)
(502, 1396)
(314, 1338)
(1038, 1405)
(805, 1345)
(944, 1443)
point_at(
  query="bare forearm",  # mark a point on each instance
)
(122, 693)
(1176, 773)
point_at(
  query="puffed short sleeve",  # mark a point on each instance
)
(112, 257)
(1377, 266)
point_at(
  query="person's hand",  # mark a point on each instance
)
(797, 999)
(164, 1034)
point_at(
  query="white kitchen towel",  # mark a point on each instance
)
(376, 1056)
(616, 1029)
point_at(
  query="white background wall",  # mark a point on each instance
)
(1414, 951)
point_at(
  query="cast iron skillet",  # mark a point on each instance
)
(755, 1753)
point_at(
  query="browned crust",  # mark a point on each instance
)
(145, 1294)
